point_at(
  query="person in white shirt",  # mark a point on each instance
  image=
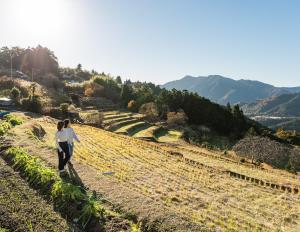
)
(71, 136)
(61, 142)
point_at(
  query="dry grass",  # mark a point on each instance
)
(149, 173)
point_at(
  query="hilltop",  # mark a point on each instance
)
(223, 90)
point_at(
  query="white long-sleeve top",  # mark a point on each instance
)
(60, 136)
(71, 135)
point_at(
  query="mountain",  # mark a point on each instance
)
(281, 111)
(285, 105)
(223, 90)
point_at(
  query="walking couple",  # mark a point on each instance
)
(64, 140)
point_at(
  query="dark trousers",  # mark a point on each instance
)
(64, 155)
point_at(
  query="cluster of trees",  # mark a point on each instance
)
(103, 86)
(39, 60)
(198, 110)
(146, 97)
(77, 74)
(263, 149)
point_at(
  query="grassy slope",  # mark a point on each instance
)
(22, 209)
(148, 179)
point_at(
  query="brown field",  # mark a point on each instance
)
(160, 183)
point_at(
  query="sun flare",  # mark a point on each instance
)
(39, 16)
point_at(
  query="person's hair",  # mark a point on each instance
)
(66, 122)
(60, 125)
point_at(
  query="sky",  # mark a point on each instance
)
(163, 40)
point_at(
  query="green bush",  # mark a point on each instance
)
(4, 127)
(34, 169)
(66, 192)
(13, 120)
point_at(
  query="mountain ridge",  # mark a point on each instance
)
(285, 105)
(222, 89)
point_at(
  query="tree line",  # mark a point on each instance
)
(199, 110)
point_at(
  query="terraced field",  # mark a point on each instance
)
(133, 125)
(178, 188)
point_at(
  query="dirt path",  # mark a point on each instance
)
(22, 209)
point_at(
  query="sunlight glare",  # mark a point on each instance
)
(39, 17)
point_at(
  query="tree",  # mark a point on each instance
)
(176, 118)
(33, 89)
(126, 94)
(33, 104)
(228, 107)
(94, 90)
(150, 110)
(118, 80)
(79, 67)
(64, 108)
(132, 106)
(15, 94)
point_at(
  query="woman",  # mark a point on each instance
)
(71, 136)
(61, 142)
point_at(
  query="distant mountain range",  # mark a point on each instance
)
(285, 105)
(281, 111)
(223, 90)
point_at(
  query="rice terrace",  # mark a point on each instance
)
(188, 188)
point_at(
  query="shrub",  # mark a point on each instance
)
(294, 161)
(32, 104)
(292, 137)
(64, 108)
(51, 81)
(132, 105)
(54, 112)
(13, 120)
(5, 92)
(94, 90)
(94, 119)
(75, 99)
(15, 94)
(176, 118)
(4, 127)
(150, 110)
(6, 84)
(74, 89)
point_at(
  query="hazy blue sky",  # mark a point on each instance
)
(163, 40)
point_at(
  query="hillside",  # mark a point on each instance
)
(223, 90)
(286, 105)
(188, 188)
(276, 112)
